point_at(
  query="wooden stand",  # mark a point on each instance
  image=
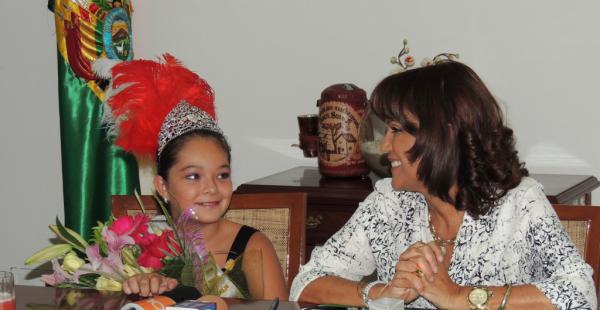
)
(331, 201)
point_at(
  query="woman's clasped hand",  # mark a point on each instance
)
(423, 270)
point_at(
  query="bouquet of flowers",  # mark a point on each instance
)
(128, 245)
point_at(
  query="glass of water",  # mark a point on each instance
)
(7, 291)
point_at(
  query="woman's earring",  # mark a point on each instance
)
(166, 200)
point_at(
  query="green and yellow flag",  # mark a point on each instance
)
(93, 168)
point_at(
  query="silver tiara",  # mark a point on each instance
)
(184, 118)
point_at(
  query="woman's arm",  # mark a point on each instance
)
(568, 279)
(333, 272)
(332, 290)
(267, 281)
(435, 285)
(521, 297)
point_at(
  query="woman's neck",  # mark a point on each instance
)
(444, 217)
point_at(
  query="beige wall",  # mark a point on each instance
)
(268, 62)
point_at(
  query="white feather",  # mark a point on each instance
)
(102, 67)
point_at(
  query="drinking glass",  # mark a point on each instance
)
(309, 134)
(7, 291)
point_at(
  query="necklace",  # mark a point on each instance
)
(441, 242)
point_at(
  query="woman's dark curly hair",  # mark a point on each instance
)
(460, 136)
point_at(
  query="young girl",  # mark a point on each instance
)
(166, 111)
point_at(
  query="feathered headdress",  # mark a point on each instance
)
(150, 103)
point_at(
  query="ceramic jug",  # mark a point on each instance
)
(341, 108)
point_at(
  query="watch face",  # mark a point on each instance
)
(478, 296)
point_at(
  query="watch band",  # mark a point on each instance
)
(475, 293)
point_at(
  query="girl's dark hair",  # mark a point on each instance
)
(460, 138)
(167, 158)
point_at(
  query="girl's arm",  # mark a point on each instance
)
(264, 279)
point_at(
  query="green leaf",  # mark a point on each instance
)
(171, 222)
(139, 201)
(64, 235)
(89, 279)
(77, 236)
(173, 268)
(128, 257)
(48, 253)
(188, 275)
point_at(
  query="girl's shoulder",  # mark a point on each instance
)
(250, 236)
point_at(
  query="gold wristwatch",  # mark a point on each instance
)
(478, 298)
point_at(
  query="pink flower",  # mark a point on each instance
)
(114, 241)
(155, 248)
(111, 264)
(122, 225)
(126, 225)
(146, 240)
(59, 276)
(160, 247)
(146, 259)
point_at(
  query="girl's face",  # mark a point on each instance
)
(199, 180)
(396, 143)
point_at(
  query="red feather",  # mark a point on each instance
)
(151, 90)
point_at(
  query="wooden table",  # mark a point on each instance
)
(49, 298)
(46, 298)
(331, 201)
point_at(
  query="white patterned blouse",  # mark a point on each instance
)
(520, 242)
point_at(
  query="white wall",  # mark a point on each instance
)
(268, 62)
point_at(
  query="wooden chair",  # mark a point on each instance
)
(280, 216)
(582, 223)
(128, 205)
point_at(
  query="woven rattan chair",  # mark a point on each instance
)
(280, 216)
(583, 225)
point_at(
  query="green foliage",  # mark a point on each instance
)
(48, 253)
(69, 236)
(173, 268)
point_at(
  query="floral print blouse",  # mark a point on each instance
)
(521, 241)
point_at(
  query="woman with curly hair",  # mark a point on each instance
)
(460, 225)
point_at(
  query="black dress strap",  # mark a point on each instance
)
(241, 240)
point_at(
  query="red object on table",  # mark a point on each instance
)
(341, 109)
(8, 304)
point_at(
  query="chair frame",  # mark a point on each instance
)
(294, 201)
(121, 204)
(592, 243)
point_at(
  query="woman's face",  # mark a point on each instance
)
(396, 143)
(199, 180)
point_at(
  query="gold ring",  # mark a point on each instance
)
(419, 245)
(419, 273)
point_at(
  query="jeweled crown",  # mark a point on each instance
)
(149, 103)
(182, 119)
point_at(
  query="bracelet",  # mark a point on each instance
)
(505, 298)
(360, 286)
(365, 292)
